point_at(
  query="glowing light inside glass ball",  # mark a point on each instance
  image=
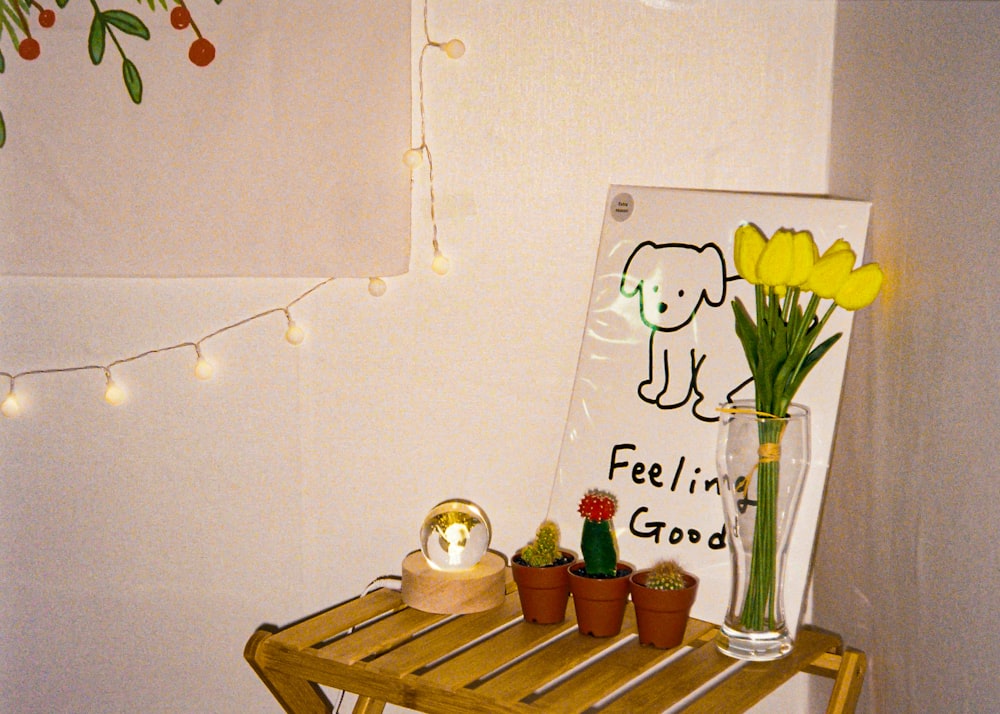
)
(455, 535)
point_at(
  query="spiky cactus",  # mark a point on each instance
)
(598, 543)
(545, 549)
(666, 575)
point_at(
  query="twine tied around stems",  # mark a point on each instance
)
(768, 453)
(735, 410)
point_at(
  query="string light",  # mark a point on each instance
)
(414, 156)
(10, 407)
(203, 369)
(113, 394)
(294, 334)
(441, 264)
(376, 287)
(454, 48)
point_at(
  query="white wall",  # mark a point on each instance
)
(142, 545)
(907, 566)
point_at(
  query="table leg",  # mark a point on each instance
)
(847, 685)
(294, 694)
(367, 705)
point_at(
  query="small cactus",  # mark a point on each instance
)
(598, 543)
(545, 550)
(666, 575)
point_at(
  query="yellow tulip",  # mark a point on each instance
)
(804, 255)
(775, 264)
(831, 271)
(839, 244)
(861, 287)
(747, 247)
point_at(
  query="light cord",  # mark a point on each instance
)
(113, 393)
(454, 49)
(294, 334)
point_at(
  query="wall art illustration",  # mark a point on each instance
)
(204, 139)
(660, 354)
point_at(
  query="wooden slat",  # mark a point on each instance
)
(755, 680)
(380, 636)
(499, 651)
(408, 691)
(669, 686)
(552, 662)
(611, 673)
(338, 619)
(447, 638)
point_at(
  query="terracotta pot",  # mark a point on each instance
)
(543, 591)
(661, 615)
(599, 602)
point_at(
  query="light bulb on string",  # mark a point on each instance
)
(203, 369)
(454, 48)
(440, 264)
(413, 158)
(10, 406)
(113, 394)
(376, 287)
(294, 334)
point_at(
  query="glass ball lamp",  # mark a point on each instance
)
(454, 571)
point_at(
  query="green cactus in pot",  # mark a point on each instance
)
(598, 543)
(666, 575)
(544, 550)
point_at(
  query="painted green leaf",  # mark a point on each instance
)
(62, 3)
(3, 63)
(3, 131)
(132, 80)
(126, 22)
(95, 42)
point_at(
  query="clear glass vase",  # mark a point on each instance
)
(762, 464)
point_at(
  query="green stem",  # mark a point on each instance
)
(783, 400)
(109, 30)
(760, 605)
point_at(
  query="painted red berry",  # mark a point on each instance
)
(202, 52)
(46, 18)
(180, 17)
(29, 48)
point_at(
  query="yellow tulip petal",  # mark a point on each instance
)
(803, 257)
(748, 243)
(861, 287)
(830, 272)
(838, 245)
(775, 264)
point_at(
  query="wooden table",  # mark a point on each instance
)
(384, 651)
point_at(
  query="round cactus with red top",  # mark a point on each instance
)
(598, 505)
(598, 543)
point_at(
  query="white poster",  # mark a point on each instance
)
(660, 354)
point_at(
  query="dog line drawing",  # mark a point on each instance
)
(673, 281)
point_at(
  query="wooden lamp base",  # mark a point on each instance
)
(454, 592)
